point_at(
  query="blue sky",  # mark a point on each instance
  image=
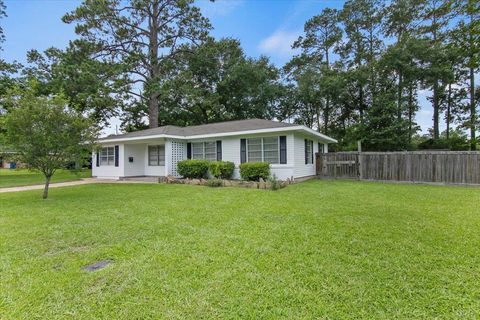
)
(264, 27)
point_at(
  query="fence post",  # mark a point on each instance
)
(359, 159)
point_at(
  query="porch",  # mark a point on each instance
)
(144, 159)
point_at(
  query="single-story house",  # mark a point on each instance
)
(289, 148)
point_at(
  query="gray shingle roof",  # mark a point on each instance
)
(212, 128)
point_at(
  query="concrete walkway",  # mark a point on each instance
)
(68, 184)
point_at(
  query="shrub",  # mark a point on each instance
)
(194, 169)
(275, 184)
(222, 169)
(214, 183)
(253, 171)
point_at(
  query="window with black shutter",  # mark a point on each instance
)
(283, 149)
(219, 150)
(308, 151)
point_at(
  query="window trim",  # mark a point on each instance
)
(158, 155)
(214, 142)
(310, 156)
(262, 150)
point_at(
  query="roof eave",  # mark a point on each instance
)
(224, 134)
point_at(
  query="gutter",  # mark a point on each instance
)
(225, 134)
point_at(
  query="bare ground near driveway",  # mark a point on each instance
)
(67, 184)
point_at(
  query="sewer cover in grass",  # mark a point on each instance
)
(97, 265)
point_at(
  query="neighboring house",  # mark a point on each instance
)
(7, 163)
(289, 148)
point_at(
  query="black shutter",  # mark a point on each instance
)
(98, 158)
(283, 149)
(116, 156)
(243, 150)
(311, 144)
(189, 150)
(306, 153)
(320, 149)
(219, 150)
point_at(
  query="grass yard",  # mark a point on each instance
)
(319, 249)
(23, 177)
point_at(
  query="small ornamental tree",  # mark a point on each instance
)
(45, 134)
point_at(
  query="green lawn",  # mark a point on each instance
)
(23, 177)
(319, 249)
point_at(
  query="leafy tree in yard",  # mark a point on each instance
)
(362, 24)
(400, 57)
(322, 37)
(45, 133)
(144, 36)
(92, 87)
(435, 16)
(214, 82)
(6, 80)
(467, 40)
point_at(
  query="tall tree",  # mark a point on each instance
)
(322, 37)
(143, 35)
(467, 40)
(399, 23)
(363, 45)
(435, 16)
(2, 15)
(217, 82)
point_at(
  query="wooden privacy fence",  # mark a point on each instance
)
(451, 167)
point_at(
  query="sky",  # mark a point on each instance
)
(264, 27)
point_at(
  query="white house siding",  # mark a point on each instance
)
(155, 171)
(176, 150)
(135, 168)
(109, 172)
(231, 152)
(301, 169)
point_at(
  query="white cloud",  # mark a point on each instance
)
(279, 43)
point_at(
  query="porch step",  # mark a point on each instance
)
(148, 179)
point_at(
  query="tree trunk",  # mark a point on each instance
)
(473, 112)
(327, 120)
(360, 103)
(436, 112)
(47, 184)
(449, 108)
(410, 113)
(153, 111)
(154, 67)
(399, 98)
(319, 127)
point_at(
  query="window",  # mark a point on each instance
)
(197, 150)
(254, 147)
(156, 155)
(210, 151)
(308, 152)
(321, 148)
(204, 151)
(270, 150)
(107, 156)
(263, 149)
